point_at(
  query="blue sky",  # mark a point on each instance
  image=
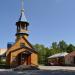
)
(50, 20)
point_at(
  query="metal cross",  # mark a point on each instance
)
(22, 4)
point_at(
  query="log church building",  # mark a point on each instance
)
(21, 52)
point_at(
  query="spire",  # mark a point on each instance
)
(22, 16)
(22, 5)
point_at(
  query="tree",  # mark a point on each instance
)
(41, 51)
(62, 46)
(54, 48)
(54, 45)
(70, 48)
(44, 53)
(47, 54)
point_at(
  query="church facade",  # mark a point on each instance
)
(21, 52)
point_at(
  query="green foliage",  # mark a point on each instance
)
(45, 52)
(70, 48)
(62, 46)
(54, 48)
(54, 45)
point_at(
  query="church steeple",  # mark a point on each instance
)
(22, 16)
(22, 24)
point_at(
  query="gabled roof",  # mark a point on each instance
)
(33, 50)
(63, 54)
(29, 47)
(71, 54)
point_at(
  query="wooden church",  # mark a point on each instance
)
(21, 52)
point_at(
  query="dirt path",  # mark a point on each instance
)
(57, 68)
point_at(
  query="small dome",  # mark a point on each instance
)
(22, 16)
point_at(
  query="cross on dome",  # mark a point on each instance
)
(22, 16)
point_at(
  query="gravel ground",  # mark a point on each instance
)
(45, 70)
(39, 72)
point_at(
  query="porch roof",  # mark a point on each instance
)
(63, 54)
(3, 51)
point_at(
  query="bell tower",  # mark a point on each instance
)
(22, 24)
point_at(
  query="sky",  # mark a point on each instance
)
(50, 21)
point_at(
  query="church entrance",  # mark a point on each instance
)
(24, 58)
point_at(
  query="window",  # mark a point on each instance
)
(22, 45)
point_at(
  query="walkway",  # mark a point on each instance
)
(57, 68)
